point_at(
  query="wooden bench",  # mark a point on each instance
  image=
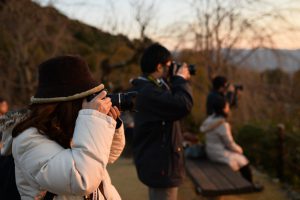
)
(214, 179)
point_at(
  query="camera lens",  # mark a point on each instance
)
(192, 69)
(124, 101)
(239, 87)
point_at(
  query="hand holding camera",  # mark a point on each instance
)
(234, 88)
(184, 72)
(232, 93)
(122, 101)
(99, 103)
(230, 88)
(114, 112)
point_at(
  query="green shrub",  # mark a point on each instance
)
(261, 146)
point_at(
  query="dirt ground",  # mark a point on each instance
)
(124, 178)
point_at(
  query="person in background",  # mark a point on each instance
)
(3, 109)
(221, 90)
(3, 106)
(220, 145)
(157, 139)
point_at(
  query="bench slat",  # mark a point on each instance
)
(213, 178)
(222, 184)
(234, 178)
(199, 178)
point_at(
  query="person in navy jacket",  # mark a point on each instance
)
(157, 141)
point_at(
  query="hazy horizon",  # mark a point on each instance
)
(116, 17)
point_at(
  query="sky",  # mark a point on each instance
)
(170, 16)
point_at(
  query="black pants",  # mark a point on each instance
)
(247, 173)
(8, 188)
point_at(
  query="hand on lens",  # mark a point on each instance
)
(231, 88)
(114, 112)
(184, 72)
(99, 103)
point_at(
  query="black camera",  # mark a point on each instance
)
(232, 96)
(238, 87)
(123, 101)
(192, 68)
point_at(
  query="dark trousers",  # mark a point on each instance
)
(163, 193)
(247, 173)
(8, 188)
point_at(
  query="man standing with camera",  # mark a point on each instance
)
(157, 141)
(222, 89)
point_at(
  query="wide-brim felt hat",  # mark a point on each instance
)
(64, 78)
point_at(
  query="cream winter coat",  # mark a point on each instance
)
(220, 145)
(43, 165)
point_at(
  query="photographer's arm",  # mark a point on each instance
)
(79, 169)
(232, 96)
(169, 105)
(75, 171)
(232, 99)
(118, 142)
(117, 145)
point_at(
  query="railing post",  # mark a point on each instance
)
(280, 152)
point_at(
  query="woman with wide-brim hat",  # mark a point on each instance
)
(62, 144)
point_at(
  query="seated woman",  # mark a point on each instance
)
(219, 143)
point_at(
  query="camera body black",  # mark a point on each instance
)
(192, 68)
(232, 96)
(123, 101)
(238, 87)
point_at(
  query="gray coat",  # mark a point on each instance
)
(220, 145)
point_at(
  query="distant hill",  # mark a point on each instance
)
(262, 59)
(29, 34)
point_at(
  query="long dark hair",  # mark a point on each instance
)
(219, 106)
(55, 120)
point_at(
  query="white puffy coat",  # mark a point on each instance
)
(43, 165)
(220, 145)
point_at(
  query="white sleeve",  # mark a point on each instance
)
(118, 144)
(78, 170)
